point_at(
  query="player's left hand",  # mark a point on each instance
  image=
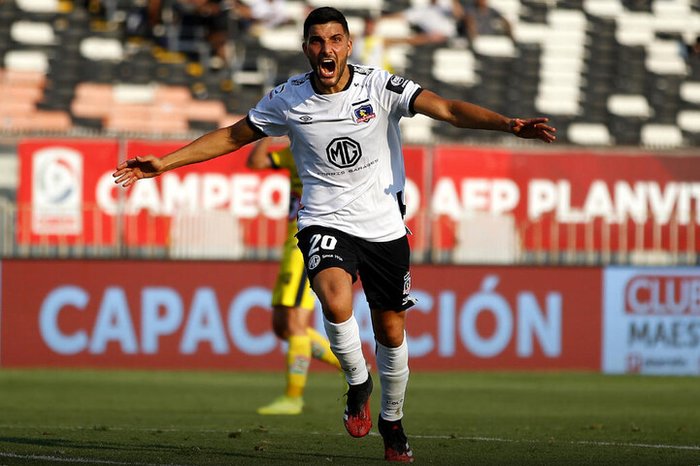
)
(533, 128)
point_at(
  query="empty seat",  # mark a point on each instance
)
(27, 60)
(39, 6)
(663, 57)
(689, 120)
(635, 28)
(133, 93)
(629, 106)
(454, 66)
(494, 46)
(661, 136)
(603, 8)
(32, 33)
(690, 92)
(99, 48)
(281, 38)
(589, 134)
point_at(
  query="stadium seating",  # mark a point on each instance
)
(605, 71)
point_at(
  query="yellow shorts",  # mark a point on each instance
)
(292, 286)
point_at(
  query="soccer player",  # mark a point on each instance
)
(292, 299)
(343, 124)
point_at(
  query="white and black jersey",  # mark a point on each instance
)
(347, 148)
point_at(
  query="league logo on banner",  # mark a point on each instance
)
(57, 191)
(651, 321)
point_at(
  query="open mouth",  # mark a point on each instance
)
(327, 68)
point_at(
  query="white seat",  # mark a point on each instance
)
(663, 57)
(133, 93)
(454, 66)
(27, 60)
(603, 8)
(689, 120)
(39, 6)
(99, 48)
(282, 38)
(32, 33)
(567, 19)
(629, 105)
(393, 28)
(635, 28)
(690, 91)
(589, 134)
(494, 46)
(661, 136)
(557, 104)
(530, 33)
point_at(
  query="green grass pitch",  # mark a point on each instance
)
(490, 418)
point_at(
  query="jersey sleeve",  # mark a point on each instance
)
(396, 93)
(269, 115)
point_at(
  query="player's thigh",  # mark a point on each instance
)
(385, 274)
(331, 263)
(325, 248)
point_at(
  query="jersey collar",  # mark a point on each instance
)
(347, 85)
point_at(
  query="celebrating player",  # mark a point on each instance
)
(343, 124)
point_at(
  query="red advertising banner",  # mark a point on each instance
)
(57, 195)
(416, 162)
(215, 315)
(68, 196)
(505, 318)
(137, 314)
(570, 200)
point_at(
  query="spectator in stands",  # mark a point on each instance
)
(480, 19)
(370, 49)
(210, 16)
(433, 22)
(254, 17)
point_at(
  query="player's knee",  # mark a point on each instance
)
(389, 335)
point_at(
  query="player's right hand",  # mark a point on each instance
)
(132, 170)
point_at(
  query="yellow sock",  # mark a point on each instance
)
(321, 349)
(298, 359)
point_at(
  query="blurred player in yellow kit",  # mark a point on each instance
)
(292, 298)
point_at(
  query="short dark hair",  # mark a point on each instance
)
(323, 15)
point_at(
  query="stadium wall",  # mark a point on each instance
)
(215, 315)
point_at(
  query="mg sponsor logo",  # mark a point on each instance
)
(343, 152)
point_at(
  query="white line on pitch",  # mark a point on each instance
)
(659, 446)
(71, 459)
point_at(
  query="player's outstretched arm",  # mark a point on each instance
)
(213, 144)
(466, 115)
